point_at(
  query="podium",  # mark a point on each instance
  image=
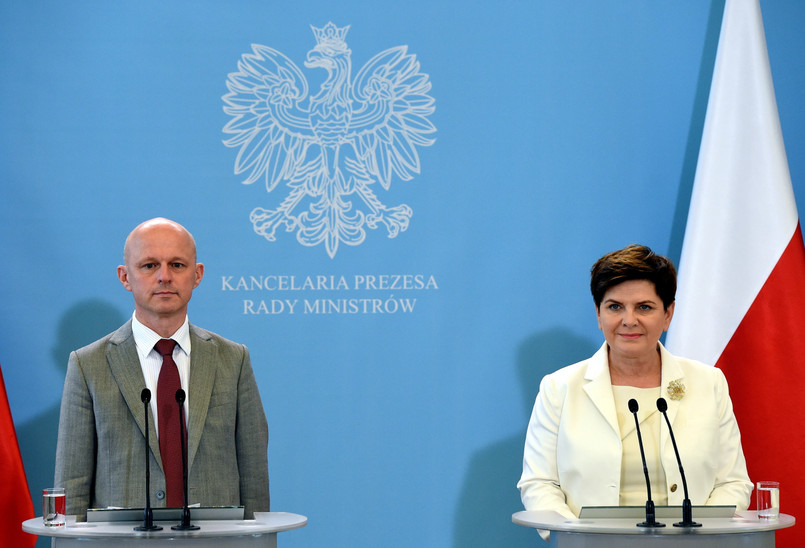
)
(745, 530)
(260, 532)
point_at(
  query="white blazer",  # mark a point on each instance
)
(573, 445)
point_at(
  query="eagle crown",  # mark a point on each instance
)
(332, 37)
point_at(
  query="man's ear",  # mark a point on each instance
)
(199, 274)
(123, 276)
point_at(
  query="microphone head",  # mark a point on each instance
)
(180, 396)
(662, 405)
(145, 395)
(633, 407)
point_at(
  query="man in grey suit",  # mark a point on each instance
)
(100, 454)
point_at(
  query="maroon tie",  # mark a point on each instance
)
(168, 417)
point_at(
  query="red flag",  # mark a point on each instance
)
(741, 298)
(17, 505)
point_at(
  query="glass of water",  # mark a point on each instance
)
(768, 499)
(54, 505)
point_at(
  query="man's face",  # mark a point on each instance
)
(161, 272)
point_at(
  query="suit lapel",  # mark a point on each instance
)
(671, 371)
(121, 355)
(203, 360)
(599, 387)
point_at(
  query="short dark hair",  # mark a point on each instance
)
(633, 262)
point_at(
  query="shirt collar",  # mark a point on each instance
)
(145, 338)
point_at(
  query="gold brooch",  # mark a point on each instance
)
(676, 390)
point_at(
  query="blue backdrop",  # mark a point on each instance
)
(397, 373)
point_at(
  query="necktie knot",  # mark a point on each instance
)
(165, 347)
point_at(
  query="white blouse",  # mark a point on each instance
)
(633, 480)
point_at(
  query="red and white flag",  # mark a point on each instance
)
(14, 494)
(741, 298)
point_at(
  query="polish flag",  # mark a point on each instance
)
(741, 298)
(17, 505)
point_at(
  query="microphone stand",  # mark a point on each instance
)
(650, 515)
(185, 525)
(148, 513)
(687, 508)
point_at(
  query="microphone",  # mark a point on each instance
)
(687, 509)
(650, 519)
(185, 524)
(148, 513)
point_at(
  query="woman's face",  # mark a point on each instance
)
(633, 318)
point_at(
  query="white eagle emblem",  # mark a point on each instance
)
(332, 147)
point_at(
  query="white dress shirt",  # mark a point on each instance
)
(151, 360)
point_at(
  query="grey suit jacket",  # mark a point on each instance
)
(100, 454)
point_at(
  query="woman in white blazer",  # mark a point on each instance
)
(581, 446)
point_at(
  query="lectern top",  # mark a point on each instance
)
(743, 522)
(264, 523)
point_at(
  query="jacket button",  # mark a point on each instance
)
(673, 488)
(161, 494)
